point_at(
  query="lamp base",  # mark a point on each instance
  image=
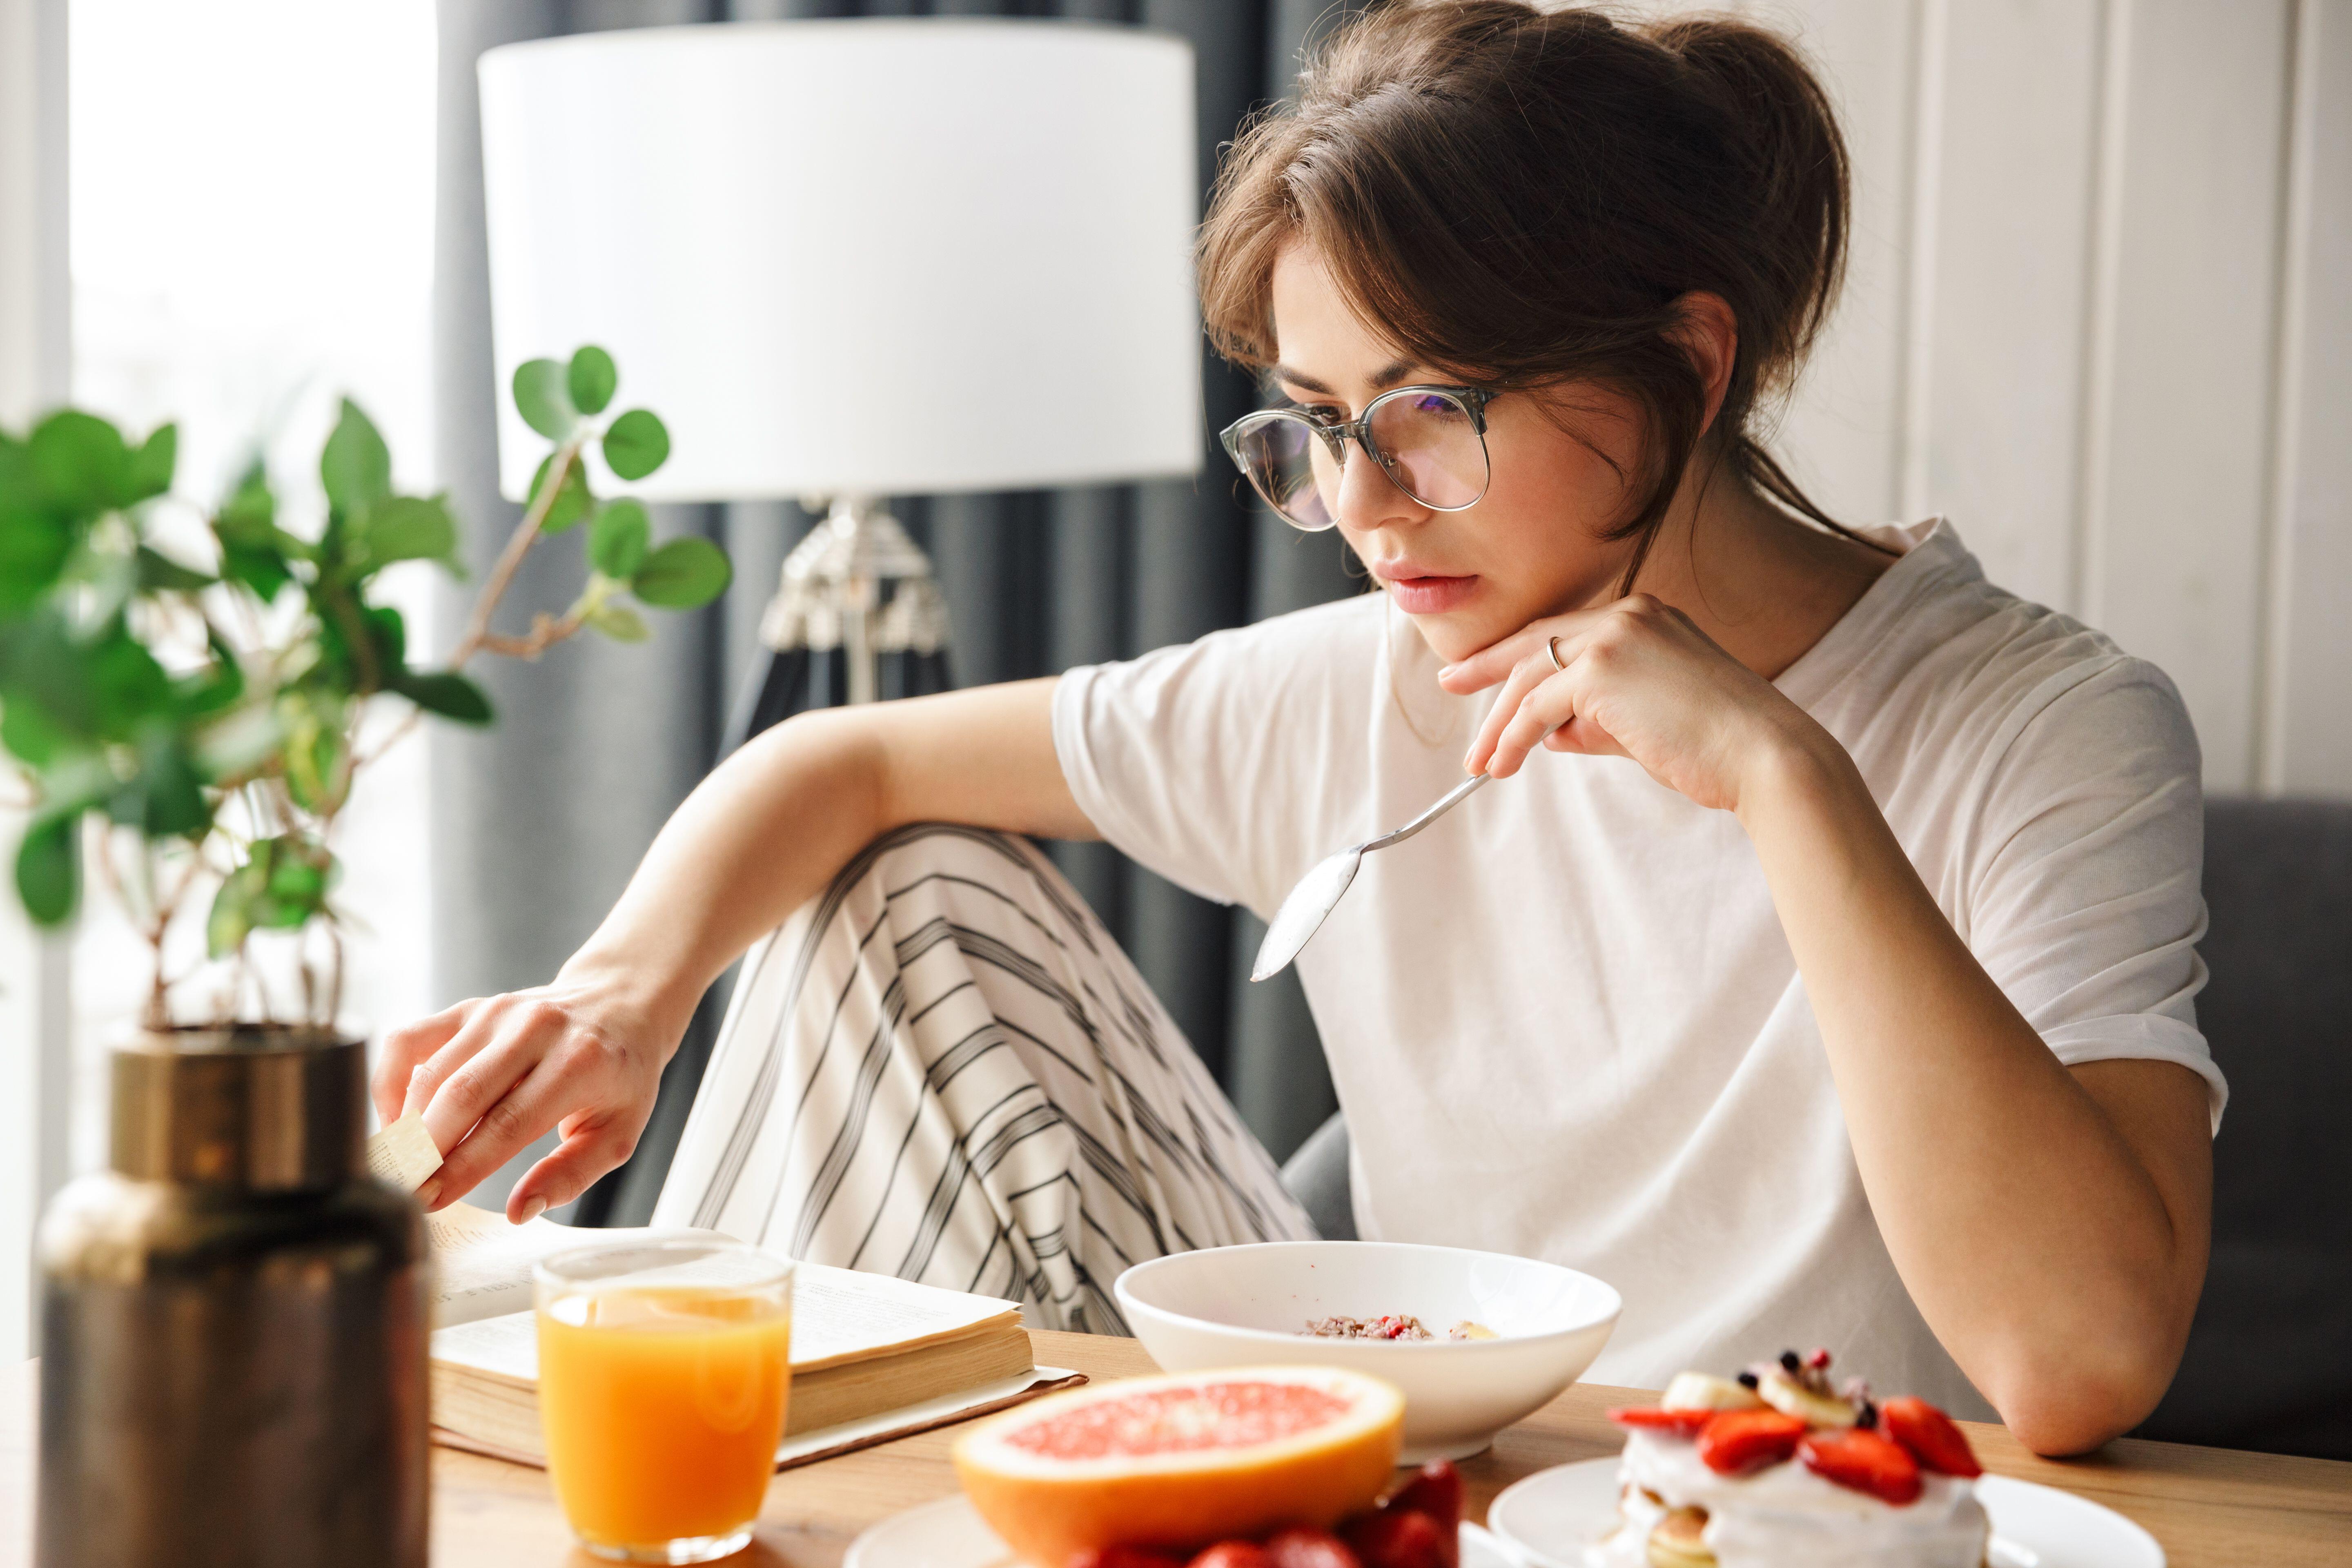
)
(834, 619)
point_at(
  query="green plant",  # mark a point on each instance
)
(182, 724)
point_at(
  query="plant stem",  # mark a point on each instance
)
(477, 634)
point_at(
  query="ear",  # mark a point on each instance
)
(1709, 333)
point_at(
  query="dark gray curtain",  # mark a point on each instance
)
(538, 822)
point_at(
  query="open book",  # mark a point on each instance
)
(874, 1357)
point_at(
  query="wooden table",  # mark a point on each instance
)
(2211, 1508)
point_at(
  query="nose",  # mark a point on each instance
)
(1369, 498)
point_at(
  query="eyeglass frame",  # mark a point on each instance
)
(1334, 435)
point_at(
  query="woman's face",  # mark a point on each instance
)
(1530, 547)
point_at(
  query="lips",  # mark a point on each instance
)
(1420, 592)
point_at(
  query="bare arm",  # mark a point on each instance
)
(762, 834)
(2051, 1223)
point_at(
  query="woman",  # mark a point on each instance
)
(1832, 985)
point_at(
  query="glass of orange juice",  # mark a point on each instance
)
(664, 1369)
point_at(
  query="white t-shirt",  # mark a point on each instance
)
(1564, 1022)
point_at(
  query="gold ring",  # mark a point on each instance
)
(1552, 647)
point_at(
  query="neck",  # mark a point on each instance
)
(1764, 585)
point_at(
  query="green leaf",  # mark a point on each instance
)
(49, 868)
(619, 622)
(159, 571)
(636, 445)
(544, 400)
(253, 551)
(151, 468)
(618, 537)
(128, 687)
(239, 743)
(296, 887)
(166, 798)
(78, 461)
(355, 466)
(231, 918)
(445, 692)
(387, 635)
(33, 546)
(572, 502)
(28, 733)
(683, 573)
(592, 380)
(409, 527)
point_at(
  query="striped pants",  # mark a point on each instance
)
(945, 1070)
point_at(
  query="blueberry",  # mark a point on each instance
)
(1791, 1362)
(1747, 1380)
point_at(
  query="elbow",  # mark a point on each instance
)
(2059, 1409)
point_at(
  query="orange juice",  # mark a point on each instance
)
(663, 1406)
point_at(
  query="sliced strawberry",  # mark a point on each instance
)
(1232, 1554)
(1931, 1436)
(1864, 1461)
(1302, 1546)
(1382, 1539)
(1649, 1418)
(1736, 1441)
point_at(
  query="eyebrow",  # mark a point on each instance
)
(1386, 378)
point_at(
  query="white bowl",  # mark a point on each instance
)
(1249, 1305)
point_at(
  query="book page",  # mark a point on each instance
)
(841, 1315)
(404, 1155)
(482, 1264)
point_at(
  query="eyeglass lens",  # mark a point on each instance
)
(1428, 439)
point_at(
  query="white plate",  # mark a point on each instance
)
(1553, 1513)
(948, 1535)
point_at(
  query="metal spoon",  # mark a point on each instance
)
(1318, 892)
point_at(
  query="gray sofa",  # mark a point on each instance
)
(2269, 1364)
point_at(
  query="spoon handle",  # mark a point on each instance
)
(1453, 798)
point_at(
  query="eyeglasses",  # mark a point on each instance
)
(1430, 441)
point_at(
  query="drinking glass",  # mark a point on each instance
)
(663, 1370)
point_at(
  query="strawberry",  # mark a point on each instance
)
(1931, 1436)
(1736, 1441)
(1232, 1554)
(1436, 1493)
(1864, 1461)
(1304, 1547)
(1383, 1539)
(1687, 1422)
(1435, 1489)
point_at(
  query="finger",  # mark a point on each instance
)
(404, 1049)
(591, 1147)
(1495, 661)
(529, 1108)
(447, 1116)
(1582, 735)
(490, 1071)
(1540, 711)
(1525, 678)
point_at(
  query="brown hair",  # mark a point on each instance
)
(1518, 197)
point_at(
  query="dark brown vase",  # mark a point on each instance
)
(233, 1331)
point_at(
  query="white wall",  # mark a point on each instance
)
(34, 1021)
(2100, 314)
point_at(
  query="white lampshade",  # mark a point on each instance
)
(872, 257)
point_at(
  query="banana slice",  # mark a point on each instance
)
(1698, 1391)
(1789, 1397)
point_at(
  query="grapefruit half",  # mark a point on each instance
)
(1182, 1460)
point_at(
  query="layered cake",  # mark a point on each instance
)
(1778, 1469)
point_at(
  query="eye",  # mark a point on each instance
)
(1321, 413)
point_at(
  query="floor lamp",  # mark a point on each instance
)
(850, 259)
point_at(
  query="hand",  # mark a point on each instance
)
(1636, 680)
(492, 1074)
